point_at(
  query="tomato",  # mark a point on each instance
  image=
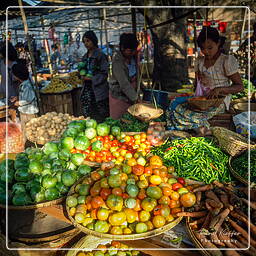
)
(175, 196)
(138, 169)
(116, 230)
(172, 181)
(131, 215)
(130, 203)
(81, 208)
(114, 181)
(182, 191)
(144, 216)
(176, 186)
(188, 199)
(154, 192)
(141, 227)
(155, 160)
(117, 218)
(142, 194)
(155, 179)
(71, 201)
(164, 200)
(167, 191)
(123, 177)
(79, 217)
(115, 202)
(148, 204)
(173, 203)
(105, 192)
(132, 162)
(117, 191)
(137, 206)
(149, 225)
(102, 214)
(157, 210)
(165, 211)
(132, 190)
(104, 183)
(97, 202)
(95, 190)
(148, 170)
(158, 221)
(181, 181)
(127, 231)
(95, 175)
(101, 226)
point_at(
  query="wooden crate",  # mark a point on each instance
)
(60, 103)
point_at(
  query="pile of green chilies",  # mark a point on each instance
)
(241, 164)
(195, 158)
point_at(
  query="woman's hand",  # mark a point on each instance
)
(215, 93)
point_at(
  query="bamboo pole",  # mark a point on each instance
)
(106, 32)
(46, 47)
(31, 54)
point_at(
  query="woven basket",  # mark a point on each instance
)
(147, 234)
(231, 142)
(145, 112)
(203, 104)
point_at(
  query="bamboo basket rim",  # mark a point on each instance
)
(232, 170)
(56, 93)
(91, 164)
(204, 105)
(35, 206)
(148, 234)
(194, 239)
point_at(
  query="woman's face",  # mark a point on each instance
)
(209, 49)
(88, 43)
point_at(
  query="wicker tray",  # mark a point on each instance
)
(194, 239)
(145, 112)
(204, 104)
(148, 234)
(231, 142)
(35, 206)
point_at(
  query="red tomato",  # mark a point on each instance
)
(176, 186)
(105, 192)
(181, 181)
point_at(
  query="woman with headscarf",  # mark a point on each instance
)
(94, 95)
(123, 82)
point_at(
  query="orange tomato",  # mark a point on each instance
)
(105, 192)
(138, 169)
(156, 171)
(116, 244)
(117, 191)
(81, 208)
(95, 190)
(116, 230)
(188, 199)
(155, 160)
(164, 200)
(131, 215)
(94, 214)
(97, 202)
(117, 218)
(102, 214)
(148, 170)
(157, 210)
(142, 194)
(125, 195)
(173, 203)
(123, 176)
(132, 161)
(95, 175)
(167, 191)
(175, 195)
(137, 206)
(149, 225)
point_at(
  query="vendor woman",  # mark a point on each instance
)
(216, 75)
(94, 95)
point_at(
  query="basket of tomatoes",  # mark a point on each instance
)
(129, 202)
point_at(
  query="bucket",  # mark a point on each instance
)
(57, 102)
(160, 96)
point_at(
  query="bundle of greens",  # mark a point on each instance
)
(195, 158)
(248, 86)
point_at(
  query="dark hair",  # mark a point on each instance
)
(20, 70)
(91, 36)
(222, 41)
(128, 41)
(208, 33)
(19, 45)
(12, 53)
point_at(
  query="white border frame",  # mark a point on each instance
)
(126, 7)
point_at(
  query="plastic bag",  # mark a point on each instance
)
(243, 125)
(12, 141)
(201, 90)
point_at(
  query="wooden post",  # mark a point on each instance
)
(105, 28)
(134, 24)
(46, 46)
(31, 54)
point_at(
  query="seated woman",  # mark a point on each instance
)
(214, 72)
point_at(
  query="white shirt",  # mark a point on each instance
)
(217, 75)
